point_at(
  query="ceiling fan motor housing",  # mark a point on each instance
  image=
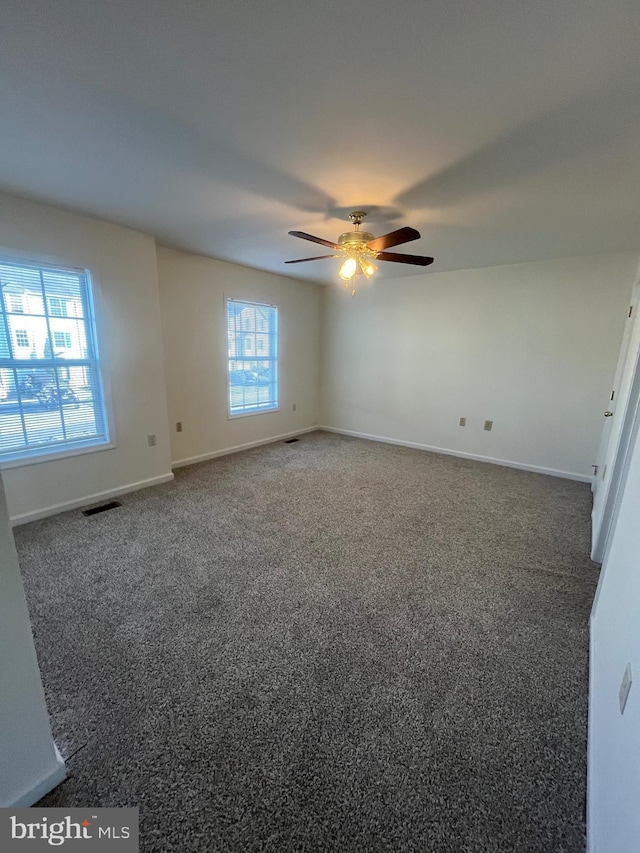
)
(356, 241)
(351, 239)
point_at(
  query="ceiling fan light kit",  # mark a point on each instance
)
(348, 269)
(360, 249)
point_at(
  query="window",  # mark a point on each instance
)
(15, 304)
(52, 401)
(62, 340)
(252, 357)
(57, 306)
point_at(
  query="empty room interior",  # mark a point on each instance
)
(319, 423)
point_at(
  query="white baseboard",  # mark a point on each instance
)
(523, 466)
(48, 782)
(204, 457)
(25, 517)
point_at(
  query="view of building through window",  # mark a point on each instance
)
(50, 388)
(252, 350)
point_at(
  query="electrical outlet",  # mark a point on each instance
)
(625, 687)
(151, 439)
(179, 426)
(463, 421)
(488, 425)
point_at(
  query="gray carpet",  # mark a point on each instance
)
(329, 645)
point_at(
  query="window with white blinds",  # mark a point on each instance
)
(51, 397)
(252, 357)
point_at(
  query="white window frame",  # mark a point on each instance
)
(258, 409)
(32, 456)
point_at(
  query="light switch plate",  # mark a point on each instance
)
(625, 687)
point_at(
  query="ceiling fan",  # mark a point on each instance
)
(360, 249)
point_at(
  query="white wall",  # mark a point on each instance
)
(531, 347)
(29, 762)
(123, 263)
(614, 739)
(192, 294)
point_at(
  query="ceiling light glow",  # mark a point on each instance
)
(348, 269)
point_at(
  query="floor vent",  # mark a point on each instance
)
(101, 508)
(291, 440)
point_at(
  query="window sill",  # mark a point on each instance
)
(250, 414)
(51, 456)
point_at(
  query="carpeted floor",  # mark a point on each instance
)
(329, 645)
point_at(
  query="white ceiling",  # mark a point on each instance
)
(505, 131)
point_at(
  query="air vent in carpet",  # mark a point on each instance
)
(101, 508)
(291, 440)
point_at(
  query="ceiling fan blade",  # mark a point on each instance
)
(304, 236)
(418, 260)
(317, 258)
(394, 238)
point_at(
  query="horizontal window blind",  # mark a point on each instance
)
(51, 396)
(252, 357)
